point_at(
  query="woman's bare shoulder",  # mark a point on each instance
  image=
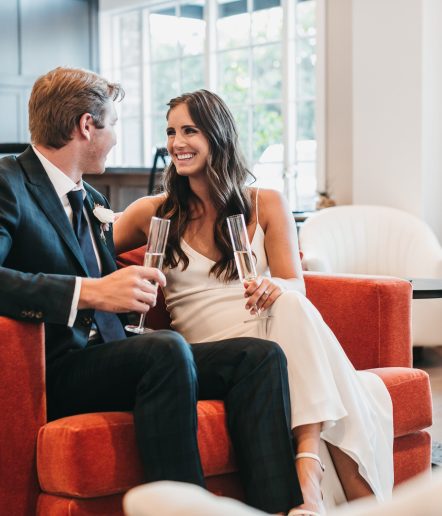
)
(149, 205)
(268, 201)
(269, 195)
(266, 195)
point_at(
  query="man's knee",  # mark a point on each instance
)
(260, 350)
(158, 349)
(168, 347)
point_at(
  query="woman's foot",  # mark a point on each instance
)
(310, 471)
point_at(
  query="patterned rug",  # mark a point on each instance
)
(436, 454)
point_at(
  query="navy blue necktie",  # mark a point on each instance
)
(108, 324)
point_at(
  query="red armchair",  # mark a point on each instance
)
(82, 465)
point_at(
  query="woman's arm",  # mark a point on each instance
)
(132, 226)
(282, 250)
(281, 239)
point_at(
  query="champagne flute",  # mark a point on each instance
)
(243, 253)
(156, 245)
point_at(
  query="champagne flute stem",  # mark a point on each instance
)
(142, 321)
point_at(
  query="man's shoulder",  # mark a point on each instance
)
(9, 163)
(10, 169)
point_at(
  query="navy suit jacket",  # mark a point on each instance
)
(40, 255)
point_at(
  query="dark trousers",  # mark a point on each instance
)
(160, 378)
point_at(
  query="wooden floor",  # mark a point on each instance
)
(431, 361)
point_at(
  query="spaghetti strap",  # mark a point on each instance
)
(256, 206)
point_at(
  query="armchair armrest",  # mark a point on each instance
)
(370, 316)
(23, 412)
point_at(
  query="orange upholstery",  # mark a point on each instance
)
(408, 388)
(61, 469)
(23, 412)
(86, 437)
(369, 316)
(85, 463)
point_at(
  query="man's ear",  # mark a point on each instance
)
(86, 125)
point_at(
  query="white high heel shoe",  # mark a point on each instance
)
(306, 512)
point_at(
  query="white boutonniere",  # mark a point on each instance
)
(105, 216)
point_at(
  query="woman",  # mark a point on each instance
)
(331, 402)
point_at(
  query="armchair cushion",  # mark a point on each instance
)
(70, 446)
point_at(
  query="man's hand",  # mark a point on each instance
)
(126, 290)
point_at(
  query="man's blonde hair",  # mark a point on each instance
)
(59, 99)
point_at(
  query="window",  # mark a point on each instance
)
(259, 55)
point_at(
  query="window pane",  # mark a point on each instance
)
(192, 28)
(228, 8)
(305, 61)
(164, 30)
(306, 120)
(130, 37)
(131, 144)
(233, 31)
(265, 4)
(306, 183)
(192, 73)
(131, 82)
(306, 150)
(159, 124)
(269, 169)
(267, 73)
(164, 83)
(267, 127)
(267, 25)
(305, 18)
(241, 115)
(233, 76)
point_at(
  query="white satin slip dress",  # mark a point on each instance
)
(354, 406)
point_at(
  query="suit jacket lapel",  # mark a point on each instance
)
(101, 238)
(45, 196)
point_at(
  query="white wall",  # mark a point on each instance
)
(338, 101)
(432, 116)
(392, 136)
(387, 108)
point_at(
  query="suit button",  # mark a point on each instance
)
(86, 321)
(24, 313)
(31, 314)
(38, 315)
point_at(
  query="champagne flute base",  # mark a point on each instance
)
(259, 318)
(136, 329)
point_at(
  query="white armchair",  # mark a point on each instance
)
(378, 240)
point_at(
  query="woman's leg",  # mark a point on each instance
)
(354, 485)
(309, 470)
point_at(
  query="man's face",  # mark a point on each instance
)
(102, 141)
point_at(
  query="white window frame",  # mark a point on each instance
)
(108, 10)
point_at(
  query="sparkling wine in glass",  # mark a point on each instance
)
(156, 245)
(242, 252)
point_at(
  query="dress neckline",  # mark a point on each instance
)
(194, 251)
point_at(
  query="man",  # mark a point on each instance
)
(57, 267)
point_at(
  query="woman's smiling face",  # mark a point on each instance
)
(187, 145)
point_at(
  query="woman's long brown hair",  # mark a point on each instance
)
(226, 173)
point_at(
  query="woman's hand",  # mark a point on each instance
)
(261, 294)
